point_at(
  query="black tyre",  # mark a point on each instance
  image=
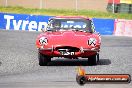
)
(43, 59)
(93, 60)
(81, 80)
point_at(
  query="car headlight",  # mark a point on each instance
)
(92, 41)
(43, 41)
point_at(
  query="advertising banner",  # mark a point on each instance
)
(123, 27)
(23, 22)
(114, 1)
(37, 22)
(104, 26)
(126, 1)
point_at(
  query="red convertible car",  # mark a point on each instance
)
(69, 37)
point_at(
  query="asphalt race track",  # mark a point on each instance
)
(19, 64)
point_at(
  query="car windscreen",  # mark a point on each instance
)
(70, 24)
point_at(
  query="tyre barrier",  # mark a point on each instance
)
(110, 7)
(120, 6)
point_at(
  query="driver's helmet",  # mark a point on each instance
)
(56, 25)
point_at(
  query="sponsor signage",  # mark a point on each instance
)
(104, 26)
(23, 22)
(37, 22)
(123, 27)
(83, 78)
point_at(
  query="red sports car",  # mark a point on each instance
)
(69, 37)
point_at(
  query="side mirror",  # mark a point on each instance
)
(93, 30)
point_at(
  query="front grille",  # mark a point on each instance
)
(67, 49)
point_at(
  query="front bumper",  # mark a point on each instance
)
(83, 52)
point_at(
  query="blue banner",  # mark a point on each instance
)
(104, 26)
(37, 22)
(23, 22)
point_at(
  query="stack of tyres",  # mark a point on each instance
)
(120, 6)
(110, 7)
(130, 8)
(116, 8)
(115, 3)
(124, 8)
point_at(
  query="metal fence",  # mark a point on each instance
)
(99, 5)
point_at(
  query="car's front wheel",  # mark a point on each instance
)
(43, 59)
(93, 60)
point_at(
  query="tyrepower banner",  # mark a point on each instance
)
(37, 22)
(123, 27)
(104, 26)
(23, 22)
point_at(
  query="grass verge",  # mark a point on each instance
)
(64, 12)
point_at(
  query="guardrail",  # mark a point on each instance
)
(27, 22)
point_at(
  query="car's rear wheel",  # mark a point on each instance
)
(93, 60)
(43, 59)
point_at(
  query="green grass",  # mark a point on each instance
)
(64, 12)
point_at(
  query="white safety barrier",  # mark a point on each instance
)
(123, 27)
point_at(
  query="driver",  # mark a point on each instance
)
(56, 25)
